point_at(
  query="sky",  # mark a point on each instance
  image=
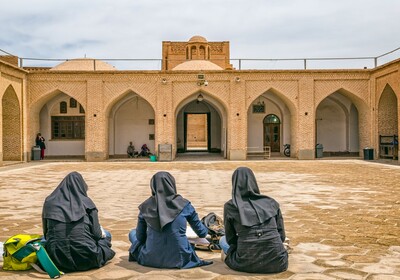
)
(262, 29)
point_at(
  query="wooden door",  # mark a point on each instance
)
(272, 132)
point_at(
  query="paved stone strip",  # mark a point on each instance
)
(342, 217)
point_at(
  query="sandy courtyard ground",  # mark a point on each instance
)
(342, 216)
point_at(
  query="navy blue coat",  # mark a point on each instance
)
(170, 247)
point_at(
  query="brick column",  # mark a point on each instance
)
(1, 129)
(96, 123)
(26, 147)
(165, 129)
(237, 122)
(396, 90)
(306, 120)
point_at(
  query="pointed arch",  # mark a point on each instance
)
(122, 96)
(289, 103)
(384, 88)
(131, 118)
(341, 121)
(259, 134)
(66, 130)
(388, 123)
(388, 112)
(217, 121)
(11, 128)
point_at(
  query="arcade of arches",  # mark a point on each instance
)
(197, 103)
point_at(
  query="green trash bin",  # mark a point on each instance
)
(153, 158)
(319, 151)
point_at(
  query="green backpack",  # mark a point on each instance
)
(24, 251)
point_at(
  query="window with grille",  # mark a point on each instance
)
(63, 107)
(73, 103)
(68, 127)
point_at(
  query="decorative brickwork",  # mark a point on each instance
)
(11, 59)
(387, 112)
(373, 92)
(11, 120)
(175, 53)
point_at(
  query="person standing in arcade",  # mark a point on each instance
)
(40, 143)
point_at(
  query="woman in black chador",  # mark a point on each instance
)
(160, 237)
(254, 228)
(75, 241)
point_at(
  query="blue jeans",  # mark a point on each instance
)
(132, 237)
(108, 234)
(223, 244)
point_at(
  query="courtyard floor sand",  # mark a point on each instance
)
(342, 216)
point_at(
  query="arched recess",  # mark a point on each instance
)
(63, 127)
(130, 119)
(64, 132)
(388, 123)
(202, 103)
(11, 128)
(270, 102)
(339, 125)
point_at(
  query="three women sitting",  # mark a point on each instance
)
(253, 222)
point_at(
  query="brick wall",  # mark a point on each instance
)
(10, 59)
(387, 113)
(301, 91)
(11, 126)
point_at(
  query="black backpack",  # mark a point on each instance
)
(216, 229)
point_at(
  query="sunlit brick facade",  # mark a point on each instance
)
(345, 110)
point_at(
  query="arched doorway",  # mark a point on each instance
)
(62, 124)
(388, 124)
(201, 126)
(131, 120)
(268, 123)
(11, 117)
(272, 132)
(337, 126)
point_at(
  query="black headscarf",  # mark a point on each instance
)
(69, 201)
(253, 207)
(165, 204)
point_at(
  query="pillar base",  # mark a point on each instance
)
(237, 155)
(95, 156)
(306, 154)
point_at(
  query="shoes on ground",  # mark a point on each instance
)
(207, 262)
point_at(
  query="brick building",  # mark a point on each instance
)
(196, 102)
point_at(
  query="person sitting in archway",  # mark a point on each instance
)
(131, 151)
(145, 151)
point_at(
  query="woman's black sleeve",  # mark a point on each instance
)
(44, 224)
(230, 232)
(95, 225)
(280, 225)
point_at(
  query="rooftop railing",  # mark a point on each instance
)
(237, 63)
